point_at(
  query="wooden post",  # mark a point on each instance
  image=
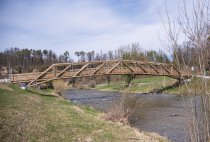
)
(54, 71)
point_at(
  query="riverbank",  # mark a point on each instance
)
(142, 85)
(27, 116)
(153, 84)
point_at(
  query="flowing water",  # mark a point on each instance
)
(161, 113)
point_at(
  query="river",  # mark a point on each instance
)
(161, 113)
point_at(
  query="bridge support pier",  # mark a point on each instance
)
(108, 79)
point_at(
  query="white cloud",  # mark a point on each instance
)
(78, 25)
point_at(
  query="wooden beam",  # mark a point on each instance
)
(54, 71)
(63, 71)
(56, 77)
(154, 68)
(79, 71)
(41, 82)
(41, 74)
(176, 69)
(142, 68)
(62, 64)
(114, 67)
(99, 67)
(128, 66)
(165, 68)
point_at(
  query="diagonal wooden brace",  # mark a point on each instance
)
(51, 67)
(98, 68)
(145, 71)
(83, 68)
(114, 67)
(128, 66)
(56, 77)
(154, 68)
(165, 68)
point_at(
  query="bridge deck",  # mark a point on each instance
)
(98, 68)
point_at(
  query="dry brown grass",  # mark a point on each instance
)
(5, 86)
(59, 86)
(92, 84)
(122, 110)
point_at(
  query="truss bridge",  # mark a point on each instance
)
(99, 68)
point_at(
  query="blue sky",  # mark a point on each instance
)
(87, 25)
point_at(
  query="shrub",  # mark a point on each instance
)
(92, 84)
(122, 110)
(59, 87)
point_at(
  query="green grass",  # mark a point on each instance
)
(195, 86)
(110, 87)
(143, 85)
(26, 116)
(153, 79)
(148, 84)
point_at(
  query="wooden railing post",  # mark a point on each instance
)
(54, 71)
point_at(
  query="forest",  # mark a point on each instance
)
(30, 60)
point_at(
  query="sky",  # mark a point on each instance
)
(76, 25)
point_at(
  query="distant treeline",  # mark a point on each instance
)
(27, 60)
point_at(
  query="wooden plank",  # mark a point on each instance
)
(176, 69)
(41, 75)
(81, 69)
(98, 68)
(63, 70)
(154, 68)
(61, 64)
(128, 66)
(114, 67)
(165, 69)
(139, 65)
(56, 77)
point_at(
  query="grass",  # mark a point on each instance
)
(153, 79)
(26, 116)
(146, 85)
(143, 85)
(195, 86)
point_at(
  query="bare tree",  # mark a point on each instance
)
(193, 23)
(110, 55)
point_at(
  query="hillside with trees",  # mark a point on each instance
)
(29, 60)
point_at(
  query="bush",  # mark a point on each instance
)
(123, 110)
(59, 87)
(92, 84)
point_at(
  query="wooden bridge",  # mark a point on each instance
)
(99, 68)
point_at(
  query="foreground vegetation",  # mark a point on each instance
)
(27, 116)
